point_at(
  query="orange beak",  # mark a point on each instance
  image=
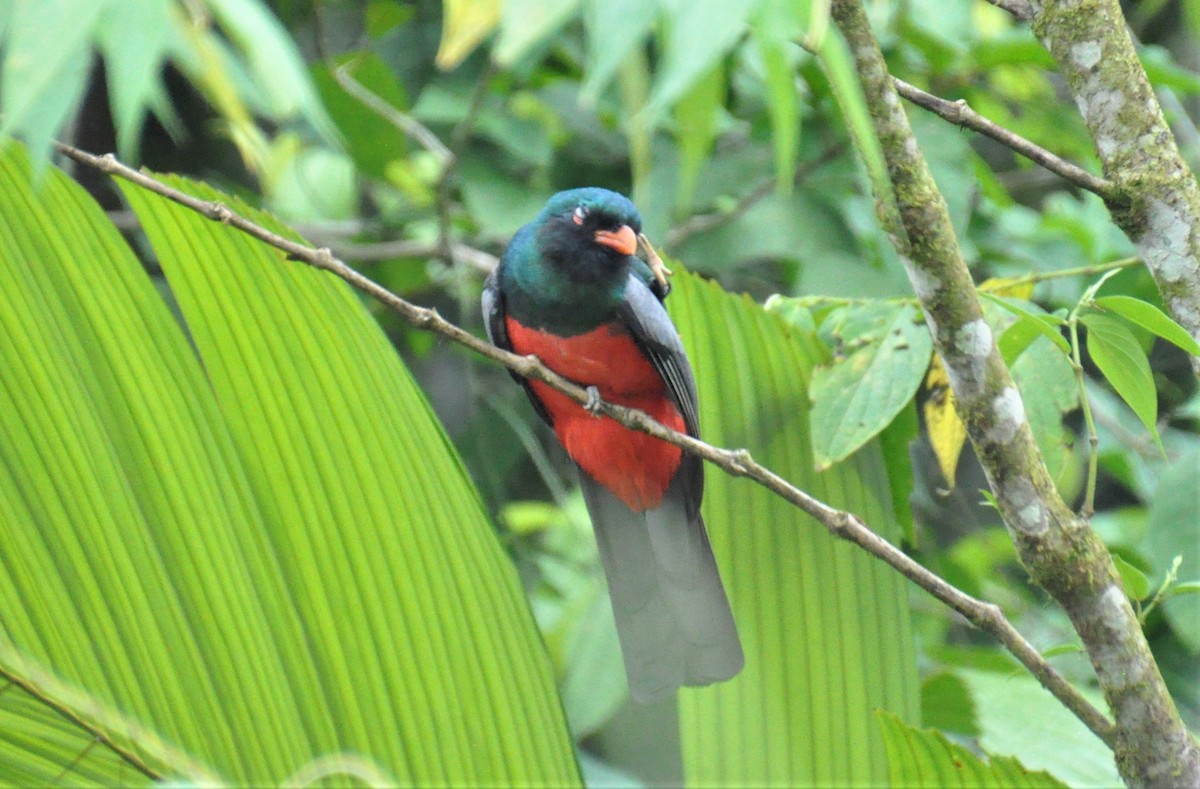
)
(624, 240)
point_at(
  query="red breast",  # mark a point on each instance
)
(636, 467)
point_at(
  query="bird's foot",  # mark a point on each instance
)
(592, 406)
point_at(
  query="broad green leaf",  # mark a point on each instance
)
(696, 130)
(815, 613)
(1049, 391)
(1175, 531)
(860, 395)
(1017, 715)
(524, 24)
(946, 704)
(1124, 364)
(614, 29)
(925, 758)
(699, 34)
(253, 539)
(1152, 319)
(1046, 325)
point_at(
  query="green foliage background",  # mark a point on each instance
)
(734, 125)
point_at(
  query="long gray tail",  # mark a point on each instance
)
(673, 618)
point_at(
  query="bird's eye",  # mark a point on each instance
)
(579, 214)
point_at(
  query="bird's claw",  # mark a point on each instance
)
(593, 404)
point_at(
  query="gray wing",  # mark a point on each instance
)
(492, 302)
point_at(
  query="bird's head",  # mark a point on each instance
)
(591, 230)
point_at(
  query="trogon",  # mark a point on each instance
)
(571, 290)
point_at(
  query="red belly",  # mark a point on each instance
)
(636, 467)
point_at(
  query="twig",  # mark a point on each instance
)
(1022, 10)
(987, 616)
(1078, 271)
(960, 114)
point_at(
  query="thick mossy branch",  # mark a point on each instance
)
(1059, 549)
(1090, 42)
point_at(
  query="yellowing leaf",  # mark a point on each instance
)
(947, 433)
(1008, 286)
(464, 24)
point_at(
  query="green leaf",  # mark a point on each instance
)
(858, 396)
(894, 443)
(946, 704)
(815, 613)
(524, 24)
(274, 62)
(699, 34)
(920, 758)
(1152, 319)
(1124, 364)
(614, 28)
(269, 491)
(1136, 584)
(1174, 531)
(1046, 325)
(371, 140)
(1049, 390)
(696, 130)
(135, 38)
(775, 28)
(1187, 587)
(1017, 715)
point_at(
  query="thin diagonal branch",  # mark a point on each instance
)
(961, 114)
(987, 616)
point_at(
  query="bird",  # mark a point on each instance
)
(571, 289)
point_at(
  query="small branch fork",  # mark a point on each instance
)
(961, 114)
(986, 616)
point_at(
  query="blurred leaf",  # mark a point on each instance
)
(699, 34)
(1175, 530)
(1124, 365)
(775, 27)
(696, 130)
(1164, 72)
(947, 433)
(465, 23)
(1049, 391)
(46, 59)
(946, 704)
(925, 758)
(614, 29)
(1136, 584)
(860, 395)
(1017, 715)
(274, 62)
(1152, 319)
(801, 712)
(843, 80)
(134, 37)
(894, 442)
(526, 23)
(270, 490)
(370, 139)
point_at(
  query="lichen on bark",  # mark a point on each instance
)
(1059, 549)
(1161, 212)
